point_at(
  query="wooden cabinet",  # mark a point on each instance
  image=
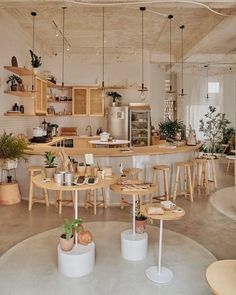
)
(87, 101)
(40, 96)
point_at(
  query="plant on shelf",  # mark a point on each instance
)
(35, 60)
(50, 166)
(116, 97)
(213, 128)
(15, 81)
(169, 128)
(12, 149)
(67, 237)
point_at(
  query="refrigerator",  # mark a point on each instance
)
(140, 126)
(118, 122)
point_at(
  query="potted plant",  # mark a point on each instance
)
(170, 129)
(50, 166)
(213, 127)
(140, 220)
(116, 97)
(11, 150)
(14, 80)
(67, 237)
(35, 61)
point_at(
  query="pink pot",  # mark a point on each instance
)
(66, 245)
(140, 226)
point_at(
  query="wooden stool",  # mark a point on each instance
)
(32, 198)
(211, 160)
(187, 180)
(132, 173)
(164, 169)
(95, 203)
(231, 159)
(200, 174)
(59, 201)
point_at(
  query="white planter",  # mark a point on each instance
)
(10, 164)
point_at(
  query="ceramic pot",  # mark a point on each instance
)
(140, 226)
(13, 87)
(81, 170)
(9, 164)
(100, 174)
(50, 171)
(66, 245)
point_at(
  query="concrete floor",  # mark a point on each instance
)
(202, 222)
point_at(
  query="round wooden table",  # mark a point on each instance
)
(221, 277)
(160, 274)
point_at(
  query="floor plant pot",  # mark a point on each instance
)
(50, 171)
(66, 245)
(9, 164)
(140, 226)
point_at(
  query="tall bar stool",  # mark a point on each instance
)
(165, 170)
(91, 200)
(200, 175)
(59, 202)
(131, 173)
(33, 198)
(188, 189)
(211, 161)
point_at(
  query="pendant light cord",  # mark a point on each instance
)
(206, 66)
(170, 18)
(103, 43)
(33, 13)
(182, 53)
(142, 54)
(142, 48)
(63, 46)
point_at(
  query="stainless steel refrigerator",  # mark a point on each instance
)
(118, 122)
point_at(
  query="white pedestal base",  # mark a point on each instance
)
(78, 262)
(165, 276)
(133, 247)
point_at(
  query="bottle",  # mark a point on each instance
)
(22, 110)
(15, 107)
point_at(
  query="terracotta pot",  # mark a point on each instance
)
(50, 171)
(84, 236)
(66, 245)
(81, 170)
(140, 226)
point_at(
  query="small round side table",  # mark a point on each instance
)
(157, 273)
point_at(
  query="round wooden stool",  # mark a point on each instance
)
(200, 175)
(32, 198)
(164, 169)
(94, 202)
(188, 189)
(131, 173)
(9, 193)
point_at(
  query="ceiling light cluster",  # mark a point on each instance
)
(58, 32)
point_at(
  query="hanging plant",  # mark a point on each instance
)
(116, 97)
(35, 60)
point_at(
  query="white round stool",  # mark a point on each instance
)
(134, 247)
(78, 262)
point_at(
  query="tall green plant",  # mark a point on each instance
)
(169, 128)
(213, 127)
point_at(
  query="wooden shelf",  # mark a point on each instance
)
(54, 101)
(58, 116)
(56, 86)
(18, 115)
(20, 93)
(19, 71)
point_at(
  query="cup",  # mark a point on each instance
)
(100, 174)
(58, 177)
(68, 178)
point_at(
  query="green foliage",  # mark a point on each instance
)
(138, 214)
(213, 127)
(68, 226)
(14, 80)
(170, 128)
(115, 96)
(12, 147)
(228, 133)
(35, 60)
(49, 159)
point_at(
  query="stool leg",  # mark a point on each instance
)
(190, 184)
(228, 164)
(214, 173)
(72, 197)
(194, 175)
(176, 183)
(46, 197)
(206, 179)
(185, 182)
(60, 202)
(86, 199)
(122, 202)
(95, 202)
(104, 198)
(56, 199)
(166, 185)
(31, 190)
(154, 181)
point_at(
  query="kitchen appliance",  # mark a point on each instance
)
(118, 122)
(140, 126)
(104, 136)
(54, 129)
(39, 132)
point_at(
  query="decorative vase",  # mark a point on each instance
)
(13, 87)
(66, 245)
(50, 171)
(35, 71)
(140, 226)
(81, 170)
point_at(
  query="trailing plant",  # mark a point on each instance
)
(169, 128)
(14, 80)
(68, 227)
(49, 160)
(35, 60)
(12, 147)
(213, 127)
(116, 97)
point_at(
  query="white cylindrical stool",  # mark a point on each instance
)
(134, 247)
(78, 262)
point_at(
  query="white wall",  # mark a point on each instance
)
(229, 93)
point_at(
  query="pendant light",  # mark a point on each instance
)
(182, 61)
(207, 68)
(33, 14)
(103, 51)
(170, 17)
(143, 89)
(63, 48)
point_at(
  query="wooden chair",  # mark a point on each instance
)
(165, 170)
(91, 200)
(33, 198)
(59, 202)
(200, 175)
(188, 189)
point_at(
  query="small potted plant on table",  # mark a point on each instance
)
(140, 220)
(116, 97)
(50, 166)
(67, 238)
(15, 81)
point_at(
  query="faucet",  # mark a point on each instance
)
(89, 128)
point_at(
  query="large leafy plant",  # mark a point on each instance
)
(169, 128)
(12, 147)
(68, 227)
(213, 127)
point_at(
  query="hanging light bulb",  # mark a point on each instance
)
(68, 47)
(57, 33)
(170, 91)
(182, 94)
(143, 89)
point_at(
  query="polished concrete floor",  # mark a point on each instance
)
(202, 222)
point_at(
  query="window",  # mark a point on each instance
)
(213, 87)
